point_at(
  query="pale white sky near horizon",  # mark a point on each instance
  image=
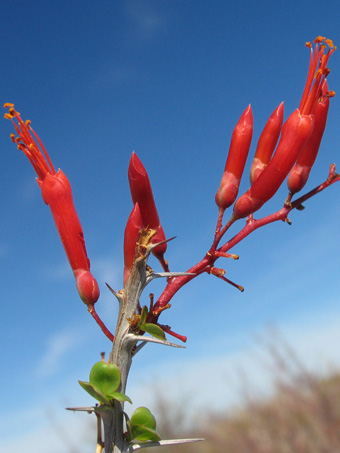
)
(167, 79)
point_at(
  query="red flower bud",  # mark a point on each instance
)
(237, 156)
(267, 142)
(295, 132)
(141, 193)
(57, 194)
(131, 235)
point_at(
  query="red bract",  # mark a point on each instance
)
(57, 194)
(141, 193)
(131, 235)
(296, 132)
(267, 142)
(236, 160)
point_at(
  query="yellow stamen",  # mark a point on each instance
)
(8, 104)
(28, 122)
(319, 39)
(308, 44)
(329, 42)
(13, 111)
(8, 116)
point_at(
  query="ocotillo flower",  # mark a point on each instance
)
(141, 193)
(295, 133)
(300, 172)
(267, 142)
(131, 234)
(236, 160)
(57, 194)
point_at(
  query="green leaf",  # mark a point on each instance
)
(97, 395)
(120, 397)
(144, 434)
(153, 330)
(143, 416)
(105, 378)
(143, 315)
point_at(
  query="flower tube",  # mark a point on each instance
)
(141, 193)
(57, 194)
(131, 235)
(300, 172)
(267, 142)
(236, 160)
(316, 99)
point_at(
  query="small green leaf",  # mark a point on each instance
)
(120, 397)
(97, 395)
(143, 315)
(144, 434)
(153, 330)
(143, 416)
(105, 378)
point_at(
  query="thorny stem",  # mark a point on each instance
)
(124, 345)
(252, 224)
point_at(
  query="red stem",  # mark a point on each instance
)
(100, 323)
(176, 283)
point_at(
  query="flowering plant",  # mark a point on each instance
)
(285, 149)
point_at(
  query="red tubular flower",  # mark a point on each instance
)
(315, 99)
(131, 235)
(141, 193)
(300, 172)
(57, 194)
(236, 160)
(296, 131)
(267, 142)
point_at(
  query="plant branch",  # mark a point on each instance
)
(209, 259)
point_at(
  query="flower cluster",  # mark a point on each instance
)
(284, 149)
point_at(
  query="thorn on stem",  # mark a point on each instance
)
(159, 310)
(300, 207)
(226, 255)
(151, 296)
(174, 334)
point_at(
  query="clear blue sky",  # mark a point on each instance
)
(168, 79)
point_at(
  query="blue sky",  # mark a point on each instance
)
(168, 79)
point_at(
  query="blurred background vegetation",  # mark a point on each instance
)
(301, 415)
